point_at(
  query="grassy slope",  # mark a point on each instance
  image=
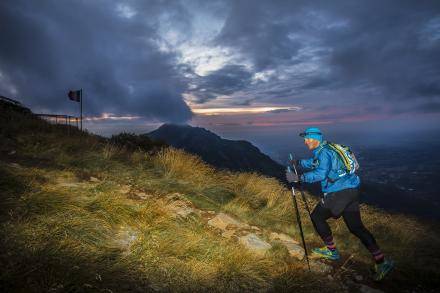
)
(61, 231)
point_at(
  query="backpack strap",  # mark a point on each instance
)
(318, 151)
(341, 153)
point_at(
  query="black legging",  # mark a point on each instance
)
(345, 203)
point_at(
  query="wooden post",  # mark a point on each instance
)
(68, 125)
(81, 97)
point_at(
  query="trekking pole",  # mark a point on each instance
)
(300, 187)
(298, 219)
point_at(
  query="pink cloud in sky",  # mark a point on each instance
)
(323, 117)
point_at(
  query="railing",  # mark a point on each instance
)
(60, 119)
(52, 118)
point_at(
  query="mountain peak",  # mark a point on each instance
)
(222, 153)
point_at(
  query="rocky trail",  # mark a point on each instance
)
(255, 239)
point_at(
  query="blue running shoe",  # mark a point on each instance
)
(383, 269)
(326, 253)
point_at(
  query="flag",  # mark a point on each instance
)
(75, 95)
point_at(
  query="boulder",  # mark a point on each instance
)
(254, 243)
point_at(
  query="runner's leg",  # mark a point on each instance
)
(352, 219)
(319, 216)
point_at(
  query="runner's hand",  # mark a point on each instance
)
(294, 162)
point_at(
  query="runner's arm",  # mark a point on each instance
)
(306, 163)
(321, 171)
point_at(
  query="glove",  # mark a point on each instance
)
(294, 162)
(291, 177)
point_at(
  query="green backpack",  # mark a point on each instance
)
(346, 155)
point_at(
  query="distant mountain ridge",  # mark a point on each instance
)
(234, 155)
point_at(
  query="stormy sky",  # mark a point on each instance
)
(230, 64)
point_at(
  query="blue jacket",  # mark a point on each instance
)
(327, 167)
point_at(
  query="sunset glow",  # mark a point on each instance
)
(246, 110)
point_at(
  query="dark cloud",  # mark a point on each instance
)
(224, 81)
(371, 55)
(429, 108)
(386, 48)
(106, 48)
(244, 102)
(427, 89)
(261, 31)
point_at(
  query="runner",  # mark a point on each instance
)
(340, 187)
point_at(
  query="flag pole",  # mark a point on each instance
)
(81, 97)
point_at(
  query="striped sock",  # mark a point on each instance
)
(377, 254)
(329, 243)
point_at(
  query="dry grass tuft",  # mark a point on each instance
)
(110, 150)
(179, 164)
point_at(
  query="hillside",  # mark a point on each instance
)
(222, 153)
(80, 214)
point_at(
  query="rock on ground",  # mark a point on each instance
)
(228, 234)
(254, 243)
(143, 195)
(222, 221)
(294, 249)
(281, 237)
(180, 209)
